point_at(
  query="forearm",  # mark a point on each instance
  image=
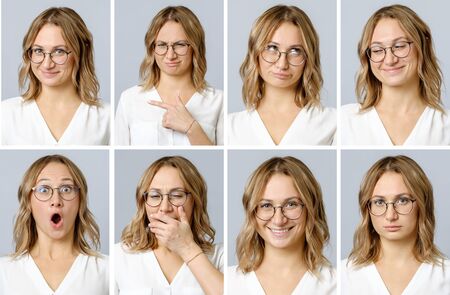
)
(197, 136)
(209, 278)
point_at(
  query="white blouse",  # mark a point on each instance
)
(366, 128)
(140, 274)
(311, 126)
(23, 124)
(21, 276)
(240, 283)
(139, 123)
(428, 279)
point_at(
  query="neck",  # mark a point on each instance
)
(175, 83)
(279, 99)
(401, 99)
(58, 96)
(397, 251)
(48, 248)
(289, 259)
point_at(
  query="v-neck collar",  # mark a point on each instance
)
(409, 289)
(257, 288)
(188, 103)
(376, 118)
(40, 281)
(159, 273)
(45, 127)
(265, 135)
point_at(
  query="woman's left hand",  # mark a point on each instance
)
(173, 234)
(177, 116)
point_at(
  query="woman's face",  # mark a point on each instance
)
(50, 74)
(392, 226)
(167, 180)
(394, 71)
(279, 231)
(55, 218)
(281, 74)
(177, 61)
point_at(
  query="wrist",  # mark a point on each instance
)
(189, 127)
(190, 251)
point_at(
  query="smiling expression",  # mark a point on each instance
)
(48, 73)
(394, 71)
(279, 231)
(165, 180)
(172, 64)
(55, 218)
(281, 74)
(391, 225)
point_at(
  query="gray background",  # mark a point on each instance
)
(132, 20)
(130, 165)
(17, 16)
(241, 163)
(14, 164)
(355, 14)
(242, 15)
(354, 165)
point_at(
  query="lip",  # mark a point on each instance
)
(172, 64)
(280, 233)
(282, 76)
(49, 74)
(392, 228)
(393, 71)
(59, 224)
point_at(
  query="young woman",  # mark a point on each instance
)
(282, 82)
(173, 105)
(168, 246)
(60, 104)
(281, 242)
(393, 251)
(398, 84)
(55, 235)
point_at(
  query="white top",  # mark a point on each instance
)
(248, 284)
(428, 279)
(23, 124)
(139, 123)
(140, 274)
(312, 126)
(87, 275)
(432, 128)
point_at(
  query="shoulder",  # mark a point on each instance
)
(235, 273)
(238, 117)
(122, 250)
(102, 108)
(134, 91)
(13, 103)
(350, 109)
(211, 92)
(321, 113)
(100, 262)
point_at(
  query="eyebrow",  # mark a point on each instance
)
(390, 42)
(48, 179)
(395, 196)
(286, 200)
(56, 46)
(290, 46)
(172, 189)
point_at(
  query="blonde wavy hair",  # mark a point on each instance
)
(368, 87)
(366, 241)
(250, 245)
(149, 71)
(86, 231)
(135, 235)
(308, 87)
(79, 40)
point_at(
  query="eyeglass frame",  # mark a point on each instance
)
(145, 196)
(282, 211)
(286, 53)
(75, 187)
(392, 51)
(30, 51)
(393, 205)
(173, 49)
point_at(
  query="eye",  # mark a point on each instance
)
(403, 201)
(265, 206)
(376, 50)
(379, 203)
(177, 194)
(292, 204)
(58, 52)
(161, 45)
(401, 45)
(43, 189)
(295, 51)
(65, 189)
(37, 51)
(272, 48)
(154, 195)
(180, 44)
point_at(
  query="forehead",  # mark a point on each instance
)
(171, 31)
(167, 177)
(279, 188)
(50, 35)
(387, 30)
(390, 183)
(54, 171)
(287, 34)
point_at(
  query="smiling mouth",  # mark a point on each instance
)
(280, 230)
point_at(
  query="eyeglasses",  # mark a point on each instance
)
(176, 197)
(294, 56)
(58, 56)
(291, 209)
(402, 205)
(180, 48)
(45, 192)
(399, 49)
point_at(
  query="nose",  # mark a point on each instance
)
(278, 218)
(47, 62)
(389, 57)
(170, 52)
(56, 200)
(165, 205)
(282, 62)
(391, 214)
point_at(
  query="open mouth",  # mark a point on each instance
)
(280, 231)
(56, 218)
